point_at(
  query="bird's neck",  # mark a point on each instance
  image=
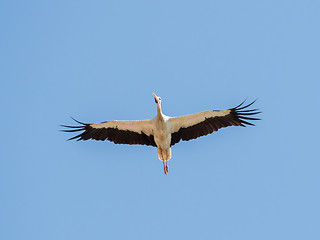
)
(159, 112)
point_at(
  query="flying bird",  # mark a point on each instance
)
(163, 131)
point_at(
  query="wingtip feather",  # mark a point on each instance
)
(243, 113)
(78, 121)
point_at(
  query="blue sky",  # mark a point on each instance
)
(101, 60)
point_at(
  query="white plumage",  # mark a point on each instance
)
(163, 131)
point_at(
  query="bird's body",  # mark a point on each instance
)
(162, 138)
(163, 131)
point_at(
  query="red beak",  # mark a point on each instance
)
(155, 96)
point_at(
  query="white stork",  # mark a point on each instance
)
(163, 131)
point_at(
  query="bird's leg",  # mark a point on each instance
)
(164, 168)
(167, 167)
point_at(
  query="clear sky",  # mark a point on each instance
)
(101, 60)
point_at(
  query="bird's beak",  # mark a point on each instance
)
(155, 96)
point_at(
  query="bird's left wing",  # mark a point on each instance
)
(120, 132)
(199, 124)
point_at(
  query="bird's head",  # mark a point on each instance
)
(157, 99)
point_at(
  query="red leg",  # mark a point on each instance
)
(164, 168)
(167, 167)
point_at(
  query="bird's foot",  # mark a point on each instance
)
(165, 168)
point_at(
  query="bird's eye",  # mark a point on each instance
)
(160, 98)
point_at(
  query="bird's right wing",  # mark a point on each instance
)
(120, 132)
(199, 124)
